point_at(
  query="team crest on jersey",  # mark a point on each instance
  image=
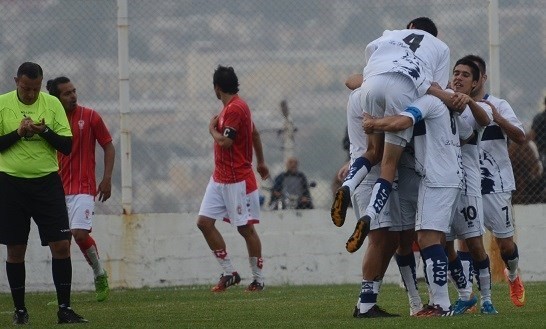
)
(239, 209)
(81, 124)
(87, 213)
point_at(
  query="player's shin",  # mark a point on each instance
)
(380, 195)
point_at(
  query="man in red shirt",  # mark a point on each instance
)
(232, 192)
(77, 172)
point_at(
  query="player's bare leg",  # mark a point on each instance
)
(405, 260)
(254, 247)
(89, 249)
(217, 245)
(510, 256)
(382, 244)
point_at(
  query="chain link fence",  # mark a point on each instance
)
(296, 52)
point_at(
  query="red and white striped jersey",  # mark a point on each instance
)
(77, 170)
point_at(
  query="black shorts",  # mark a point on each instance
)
(40, 198)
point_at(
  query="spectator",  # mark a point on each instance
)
(538, 133)
(538, 136)
(291, 188)
(528, 173)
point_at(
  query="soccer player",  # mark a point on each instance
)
(392, 228)
(382, 240)
(77, 171)
(232, 192)
(437, 133)
(400, 67)
(33, 127)
(498, 179)
(468, 222)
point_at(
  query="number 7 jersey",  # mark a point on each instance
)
(414, 53)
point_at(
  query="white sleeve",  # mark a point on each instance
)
(370, 49)
(441, 74)
(508, 113)
(487, 110)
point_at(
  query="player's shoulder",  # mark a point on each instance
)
(238, 104)
(502, 105)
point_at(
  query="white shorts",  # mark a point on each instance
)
(81, 208)
(468, 219)
(498, 214)
(386, 95)
(389, 215)
(408, 187)
(230, 203)
(436, 207)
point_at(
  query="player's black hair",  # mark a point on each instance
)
(477, 59)
(31, 70)
(424, 23)
(53, 85)
(225, 78)
(473, 66)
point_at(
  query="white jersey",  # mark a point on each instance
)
(471, 153)
(414, 53)
(437, 136)
(357, 138)
(496, 168)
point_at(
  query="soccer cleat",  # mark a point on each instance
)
(433, 310)
(67, 315)
(517, 290)
(255, 286)
(340, 205)
(226, 281)
(361, 231)
(461, 306)
(20, 316)
(101, 287)
(374, 312)
(488, 308)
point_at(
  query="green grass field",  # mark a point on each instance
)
(328, 306)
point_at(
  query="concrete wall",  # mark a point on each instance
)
(299, 247)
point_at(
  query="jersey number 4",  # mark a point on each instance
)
(413, 40)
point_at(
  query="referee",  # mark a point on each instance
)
(33, 126)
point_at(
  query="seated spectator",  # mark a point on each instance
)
(291, 189)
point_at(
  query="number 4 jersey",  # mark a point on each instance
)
(414, 53)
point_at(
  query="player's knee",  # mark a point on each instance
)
(204, 225)
(246, 231)
(80, 236)
(60, 249)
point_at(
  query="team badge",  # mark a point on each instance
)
(81, 124)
